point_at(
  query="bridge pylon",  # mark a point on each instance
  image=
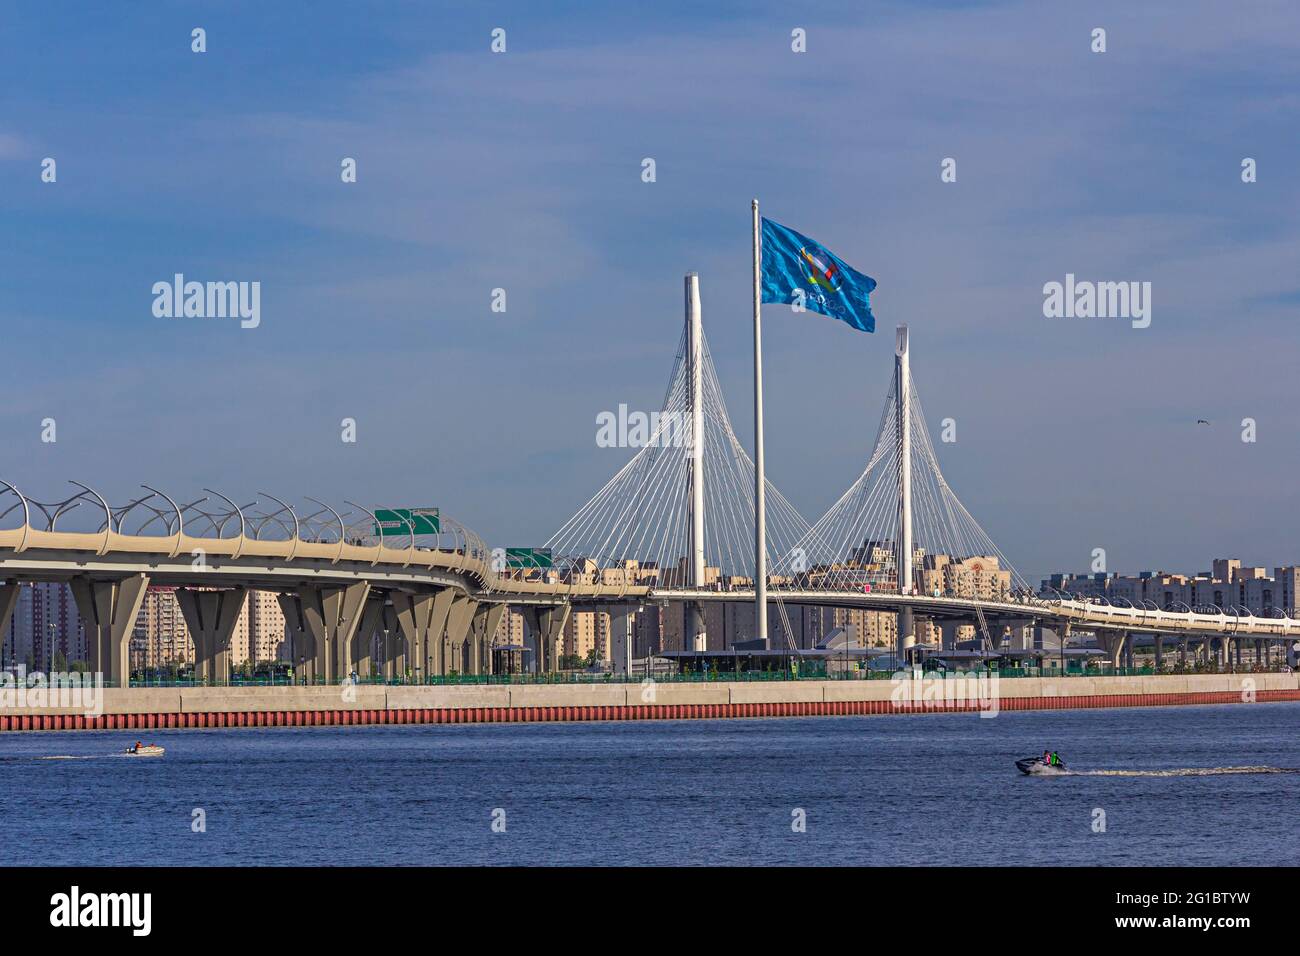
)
(903, 546)
(695, 636)
(901, 511)
(108, 610)
(680, 513)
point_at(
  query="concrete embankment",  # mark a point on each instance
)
(147, 708)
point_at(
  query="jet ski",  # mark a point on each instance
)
(145, 750)
(1036, 765)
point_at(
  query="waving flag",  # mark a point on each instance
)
(800, 271)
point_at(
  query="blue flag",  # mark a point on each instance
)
(798, 270)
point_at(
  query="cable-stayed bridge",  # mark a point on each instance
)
(675, 524)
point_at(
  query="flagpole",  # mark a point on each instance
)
(760, 501)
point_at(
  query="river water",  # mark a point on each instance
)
(929, 790)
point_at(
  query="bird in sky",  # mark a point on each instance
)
(1201, 421)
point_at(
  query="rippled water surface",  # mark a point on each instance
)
(874, 790)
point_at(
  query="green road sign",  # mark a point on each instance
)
(528, 557)
(403, 521)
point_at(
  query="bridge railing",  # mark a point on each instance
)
(220, 530)
(214, 525)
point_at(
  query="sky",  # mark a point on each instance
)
(522, 170)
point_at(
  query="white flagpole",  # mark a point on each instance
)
(760, 502)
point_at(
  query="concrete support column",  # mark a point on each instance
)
(394, 645)
(621, 621)
(108, 610)
(363, 642)
(473, 644)
(459, 619)
(1113, 643)
(332, 615)
(302, 647)
(211, 617)
(695, 636)
(1182, 650)
(545, 625)
(1160, 651)
(906, 633)
(437, 644)
(487, 618)
(493, 623)
(8, 599)
(423, 619)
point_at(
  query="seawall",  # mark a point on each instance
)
(150, 708)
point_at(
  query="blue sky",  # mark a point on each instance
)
(522, 171)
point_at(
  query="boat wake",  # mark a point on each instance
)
(1181, 772)
(79, 757)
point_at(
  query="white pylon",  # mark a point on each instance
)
(903, 546)
(695, 377)
(903, 558)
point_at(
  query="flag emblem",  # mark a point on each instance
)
(820, 273)
(801, 272)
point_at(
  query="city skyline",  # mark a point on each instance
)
(389, 279)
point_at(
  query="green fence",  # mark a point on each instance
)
(836, 671)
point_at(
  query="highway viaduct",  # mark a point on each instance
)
(435, 611)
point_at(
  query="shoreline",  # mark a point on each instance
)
(368, 705)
